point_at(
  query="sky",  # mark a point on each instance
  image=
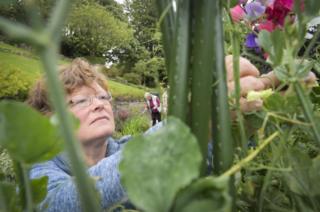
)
(120, 1)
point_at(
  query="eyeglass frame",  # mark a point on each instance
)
(89, 99)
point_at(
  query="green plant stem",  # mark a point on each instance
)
(167, 23)
(293, 121)
(28, 190)
(179, 64)
(24, 186)
(251, 156)
(223, 149)
(88, 195)
(202, 67)
(236, 77)
(34, 14)
(21, 32)
(56, 22)
(307, 110)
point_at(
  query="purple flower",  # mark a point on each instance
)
(251, 40)
(254, 10)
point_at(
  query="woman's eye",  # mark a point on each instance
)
(80, 101)
(104, 97)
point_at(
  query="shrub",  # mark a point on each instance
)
(135, 126)
(14, 84)
(112, 72)
(132, 78)
(6, 166)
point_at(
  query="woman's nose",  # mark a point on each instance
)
(98, 104)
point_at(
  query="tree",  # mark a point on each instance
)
(92, 31)
(128, 55)
(151, 71)
(115, 8)
(143, 18)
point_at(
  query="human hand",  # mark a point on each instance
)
(249, 80)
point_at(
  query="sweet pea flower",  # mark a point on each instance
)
(278, 12)
(254, 10)
(266, 25)
(251, 40)
(237, 13)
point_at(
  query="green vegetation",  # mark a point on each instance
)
(20, 68)
(134, 126)
(278, 170)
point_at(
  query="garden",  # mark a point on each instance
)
(209, 155)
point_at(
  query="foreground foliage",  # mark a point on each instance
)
(277, 171)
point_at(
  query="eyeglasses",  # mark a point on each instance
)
(85, 101)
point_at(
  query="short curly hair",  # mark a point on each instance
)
(72, 76)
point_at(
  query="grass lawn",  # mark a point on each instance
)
(15, 58)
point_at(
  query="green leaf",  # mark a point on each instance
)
(273, 44)
(39, 189)
(303, 68)
(286, 104)
(154, 168)
(277, 38)
(28, 136)
(9, 200)
(281, 73)
(304, 177)
(264, 40)
(206, 194)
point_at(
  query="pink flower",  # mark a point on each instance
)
(279, 10)
(285, 3)
(237, 13)
(266, 25)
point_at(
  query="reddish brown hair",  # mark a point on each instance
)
(72, 76)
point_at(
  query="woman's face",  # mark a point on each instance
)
(92, 106)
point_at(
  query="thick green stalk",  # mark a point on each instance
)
(179, 63)
(307, 110)
(223, 149)
(34, 14)
(88, 195)
(167, 22)
(25, 193)
(28, 190)
(236, 77)
(21, 32)
(56, 21)
(202, 67)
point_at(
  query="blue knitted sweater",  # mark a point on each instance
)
(62, 193)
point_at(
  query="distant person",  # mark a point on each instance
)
(154, 105)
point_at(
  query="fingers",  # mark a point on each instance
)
(250, 106)
(245, 67)
(269, 80)
(247, 84)
(246, 106)
(311, 78)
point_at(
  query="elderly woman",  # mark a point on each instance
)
(88, 98)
